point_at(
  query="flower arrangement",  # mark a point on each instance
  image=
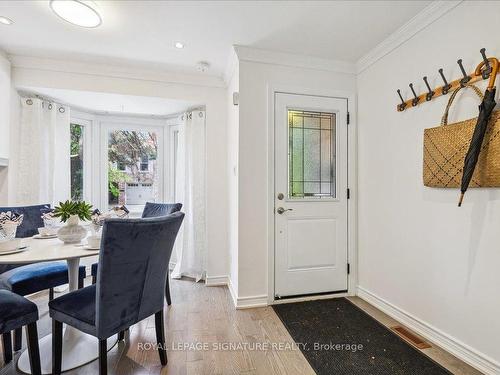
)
(98, 218)
(9, 221)
(67, 209)
(98, 221)
(120, 212)
(49, 220)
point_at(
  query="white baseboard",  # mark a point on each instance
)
(460, 350)
(249, 302)
(216, 280)
(232, 291)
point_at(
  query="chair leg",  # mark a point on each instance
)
(7, 347)
(121, 335)
(160, 337)
(80, 283)
(51, 294)
(18, 339)
(33, 350)
(94, 280)
(57, 342)
(167, 290)
(103, 357)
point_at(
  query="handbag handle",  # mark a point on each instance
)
(444, 119)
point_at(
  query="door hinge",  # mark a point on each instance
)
(348, 193)
(348, 118)
(348, 268)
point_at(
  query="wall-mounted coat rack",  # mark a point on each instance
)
(488, 68)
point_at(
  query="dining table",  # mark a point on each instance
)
(78, 347)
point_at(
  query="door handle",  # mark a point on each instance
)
(281, 210)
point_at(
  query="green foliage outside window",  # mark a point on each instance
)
(76, 154)
(114, 178)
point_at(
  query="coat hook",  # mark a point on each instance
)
(401, 106)
(487, 70)
(446, 86)
(466, 78)
(414, 102)
(431, 93)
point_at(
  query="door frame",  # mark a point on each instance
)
(352, 212)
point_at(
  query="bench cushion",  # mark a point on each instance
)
(35, 277)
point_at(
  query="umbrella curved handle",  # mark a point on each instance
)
(494, 70)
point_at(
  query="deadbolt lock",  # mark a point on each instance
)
(281, 196)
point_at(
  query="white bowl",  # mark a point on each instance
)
(9, 245)
(45, 231)
(94, 242)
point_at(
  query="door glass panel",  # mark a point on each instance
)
(311, 154)
(133, 177)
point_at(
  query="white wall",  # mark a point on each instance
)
(15, 116)
(417, 249)
(5, 83)
(253, 216)
(28, 72)
(232, 173)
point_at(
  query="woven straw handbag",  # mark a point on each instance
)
(445, 148)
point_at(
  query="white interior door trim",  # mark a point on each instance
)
(352, 252)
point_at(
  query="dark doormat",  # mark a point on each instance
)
(352, 341)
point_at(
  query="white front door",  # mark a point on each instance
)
(310, 195)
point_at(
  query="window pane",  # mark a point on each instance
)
(311, 154)
(76, 156)
(132, 172)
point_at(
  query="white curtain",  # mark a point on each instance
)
(44, 153)
(190, 191)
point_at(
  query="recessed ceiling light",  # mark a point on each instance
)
(6, 21)
(179, 45)
(76, 12)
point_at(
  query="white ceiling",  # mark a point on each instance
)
(112, 103)
(143, 32)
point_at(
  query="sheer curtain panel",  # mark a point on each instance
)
(44, 152)
(191, 245)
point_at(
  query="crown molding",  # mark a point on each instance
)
(293, 60)
(115, 71)
(424, 18)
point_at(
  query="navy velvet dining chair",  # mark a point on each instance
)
(152, 209)
(129, 288)
(17, 312)
(33, 278)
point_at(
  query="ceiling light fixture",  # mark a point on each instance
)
(6, 21)
(76, 12)
(202, 66)
(179, 45)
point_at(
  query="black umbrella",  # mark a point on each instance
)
(476, 142)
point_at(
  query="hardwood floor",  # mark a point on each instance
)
(206, 315)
